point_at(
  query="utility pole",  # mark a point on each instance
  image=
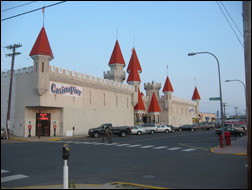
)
(13, 47)
(246, 13)
(236, 112)
(224, 105)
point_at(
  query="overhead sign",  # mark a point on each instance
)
(214, 98)
(65, 89)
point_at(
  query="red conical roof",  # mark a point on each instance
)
(42, 46)
(167, 86)
(116, 56)
(134, 61)
(154, 106)
(196, 95)
(133, 75)
(140, 104)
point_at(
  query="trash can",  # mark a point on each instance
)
(227, 137)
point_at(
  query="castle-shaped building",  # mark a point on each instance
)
(53, 101)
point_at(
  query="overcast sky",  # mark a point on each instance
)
(82, 36)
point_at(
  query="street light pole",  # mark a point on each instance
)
(245, 94)
(221, 107)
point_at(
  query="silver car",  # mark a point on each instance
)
(149, 128)
(137, 130)
(164, 129)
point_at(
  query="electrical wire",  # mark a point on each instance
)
(18, 6)
(32, 11)
(231, 18)
(230, 24)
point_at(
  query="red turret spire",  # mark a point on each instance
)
(154, 106)
(116, 56)
(140, 104)
(133, 75)
(196, 95)
(42, 46)
(134, 62)
(167, 86)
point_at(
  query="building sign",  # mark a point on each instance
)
(64, 89)
(191, 109)
(43, 116)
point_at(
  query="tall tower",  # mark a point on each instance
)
(152, 87)
(116, 64)
(196, 97)
(41, 54)
(134, 69)
(168, 90)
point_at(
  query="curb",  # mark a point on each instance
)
(239, 154)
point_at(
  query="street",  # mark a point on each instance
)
(173, 160)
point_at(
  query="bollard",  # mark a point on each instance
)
(65, 156)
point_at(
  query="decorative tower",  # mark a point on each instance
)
(154, 110)
(196, 97)
(152, 87)
(168, 90)
(134, 79)
(116, 64)
(139, 110)
(134, 69)
(41, 54)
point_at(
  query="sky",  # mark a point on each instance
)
(82, 36)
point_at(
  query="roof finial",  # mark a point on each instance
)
(134, 42)
(195, 81)
(167, 69)
(43, 11)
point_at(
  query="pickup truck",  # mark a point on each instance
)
(120, 131)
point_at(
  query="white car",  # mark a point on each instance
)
(164, 129)
(137, 130)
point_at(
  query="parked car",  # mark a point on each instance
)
(206, 126)
(189, 128)
(120, 131)
(164, 129)
(149, 128)
(236, 126)
(233, 131)
(173, 128)
(137, 130)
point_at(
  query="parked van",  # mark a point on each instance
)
(149, 128)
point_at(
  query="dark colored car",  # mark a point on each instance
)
(189, 128)
(233, 131)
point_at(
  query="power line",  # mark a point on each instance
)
(231, 18)
(230, 24)
(32, 11)
(18, 6)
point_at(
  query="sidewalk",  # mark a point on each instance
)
(238, 147)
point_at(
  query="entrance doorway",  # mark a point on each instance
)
(45, 121)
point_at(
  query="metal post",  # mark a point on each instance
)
(65, 175)
(221, 107)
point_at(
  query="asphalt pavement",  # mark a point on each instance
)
(237, 147)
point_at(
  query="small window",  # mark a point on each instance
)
(42, 67)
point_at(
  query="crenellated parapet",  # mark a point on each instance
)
(18, 71)
(85, 79)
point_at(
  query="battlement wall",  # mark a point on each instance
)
(18, 71)
(152, 86)
(56, 71)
